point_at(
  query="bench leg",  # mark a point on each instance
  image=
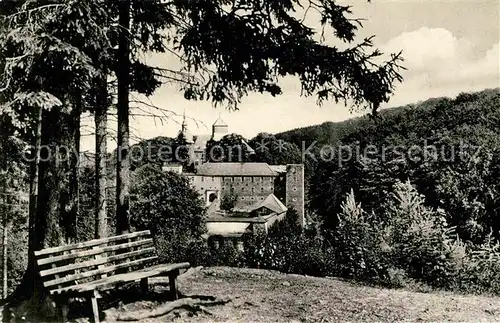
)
(64, 311)
(95, 308)
(144, 285)
(171, 281)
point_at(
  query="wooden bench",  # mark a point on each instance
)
(85, 269)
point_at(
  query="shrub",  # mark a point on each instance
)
(289, 225)
(356, 242)
(166, 204)
(288, 249)
(417, 236)
(481, 270)
(226, 255)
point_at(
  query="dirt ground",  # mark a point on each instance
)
(268, 296)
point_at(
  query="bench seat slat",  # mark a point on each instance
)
(96, 272)
(95, 262)
(91, 243)
(92, 252)
(121, 278)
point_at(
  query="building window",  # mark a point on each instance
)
(262, 189)
(253, 189)
(242, 198)
(213, 178)
(202, 178)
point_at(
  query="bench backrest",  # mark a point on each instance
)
(95, 259)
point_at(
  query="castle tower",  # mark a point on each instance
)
(184, 130)
(219, 129)
(295, 190)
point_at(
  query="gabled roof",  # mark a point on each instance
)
(236, 169)
(272, 203)
(278, 168)
(219, 122)
(247, 146)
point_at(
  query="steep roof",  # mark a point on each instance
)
(278, 168)
(236, 169)
(219, 122)
(247, 146)
(272, 203)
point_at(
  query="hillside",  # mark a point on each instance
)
(269, 296)
(424, 112)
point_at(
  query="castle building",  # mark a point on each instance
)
(242, 197)
(244, 183)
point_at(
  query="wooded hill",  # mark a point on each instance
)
(416, 117)
(448, 148)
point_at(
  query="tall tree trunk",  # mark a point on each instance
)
(123, 159)
(74, 169)
(52, 215)
(101, 123)
(28, 284)
(34, 179)
(50, 183)
(4, 257)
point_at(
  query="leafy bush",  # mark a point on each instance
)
(288, 249)
(226, 255)
(166, 204)
(357, 244)
(417, 236)
(480, 272)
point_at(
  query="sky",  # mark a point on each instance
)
(448, 46)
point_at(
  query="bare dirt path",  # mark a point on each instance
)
(267, 296)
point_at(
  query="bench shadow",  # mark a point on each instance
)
(119, 297)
